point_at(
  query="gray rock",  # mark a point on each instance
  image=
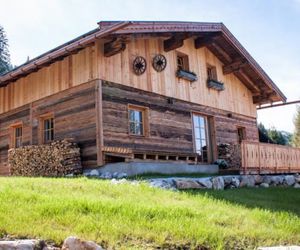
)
(247, 181)
(160, 183)
(106, 175)
(205, 183)
(22, 245)
(258, 179)
(91, 172)
(187, 184)
(235, 182)
(277, 180)
(267, 179)
(297, 178)
(218, 183)
(121, 175)
(289, 180)
(115, 175)
(74, 243)
(227, 180)
(264, 185)
(296, 185)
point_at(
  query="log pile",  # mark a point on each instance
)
(231, 153)
(58, 158)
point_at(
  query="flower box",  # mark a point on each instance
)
(187, 75)
(213, 84)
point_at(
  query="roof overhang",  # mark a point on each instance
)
(215, 36)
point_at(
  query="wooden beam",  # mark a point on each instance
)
(263, 97)
(221, 51)
(114, 47)
(201, 42)
(174, 42)
(234, 66)
(279, 104)
(247, 81)
(99, 122)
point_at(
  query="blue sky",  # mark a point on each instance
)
(269, 30)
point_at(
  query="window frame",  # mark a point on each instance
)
(145, 125)
(214, 75)
(185, 61)
(42, 130)
(13, 137)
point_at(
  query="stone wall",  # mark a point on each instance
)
(58, 158)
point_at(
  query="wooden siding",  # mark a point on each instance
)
(170, 126)
(69, 72)
(74, 117)
(269, 158)
(118, 68)
(90, 63)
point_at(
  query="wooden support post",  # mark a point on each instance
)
(259, 164)
(99, 122)
(30, 123)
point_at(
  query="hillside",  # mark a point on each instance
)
(138, 216)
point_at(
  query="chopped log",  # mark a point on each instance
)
(58, 158)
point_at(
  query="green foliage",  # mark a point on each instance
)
(137, 216)
(296, 136)
(5, 65)
(273, 135)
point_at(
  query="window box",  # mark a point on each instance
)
(187, 75)
(213, 84)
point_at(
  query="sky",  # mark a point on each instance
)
(268, 29)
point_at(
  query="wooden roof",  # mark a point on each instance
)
(215, 36)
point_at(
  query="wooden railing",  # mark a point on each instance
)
(269, 158)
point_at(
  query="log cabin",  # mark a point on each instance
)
(161, 91)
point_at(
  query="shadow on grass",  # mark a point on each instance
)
(276, 199)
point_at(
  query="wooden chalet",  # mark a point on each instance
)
(167, 91)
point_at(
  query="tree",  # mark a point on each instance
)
(5, 65)
(274, 136)
(277, 136)
(296, 136)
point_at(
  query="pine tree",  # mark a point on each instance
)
(296, 136)
(5, 65)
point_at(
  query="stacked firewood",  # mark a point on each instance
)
(58, 158)
(231, 153)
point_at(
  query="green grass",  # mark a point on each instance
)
(127, 216)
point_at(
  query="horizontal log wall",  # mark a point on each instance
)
(74, 117)
(170, 125)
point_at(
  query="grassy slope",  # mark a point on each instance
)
(140, 216)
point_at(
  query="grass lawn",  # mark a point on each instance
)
(129, 216)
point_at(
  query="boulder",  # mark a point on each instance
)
(297, 185)
(106, 175)
(121, 175)
(264, 185)
(297, 178)
(74, 243)
(91, 173)
(218, 183)
(22, 245)
(258, 179)
(235, 182)
(277, 180)
(267, 179)
(187, 184)
(158, 183)
(205, 182)
(247, 181)
(227, 180)
(289, 180)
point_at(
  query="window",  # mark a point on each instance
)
(200, 137)
(17, 136)
(182, 61)
(211, 73)
(137, 118)
(47, 128)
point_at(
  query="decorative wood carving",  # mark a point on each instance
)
(173, 43)
(114, 47)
